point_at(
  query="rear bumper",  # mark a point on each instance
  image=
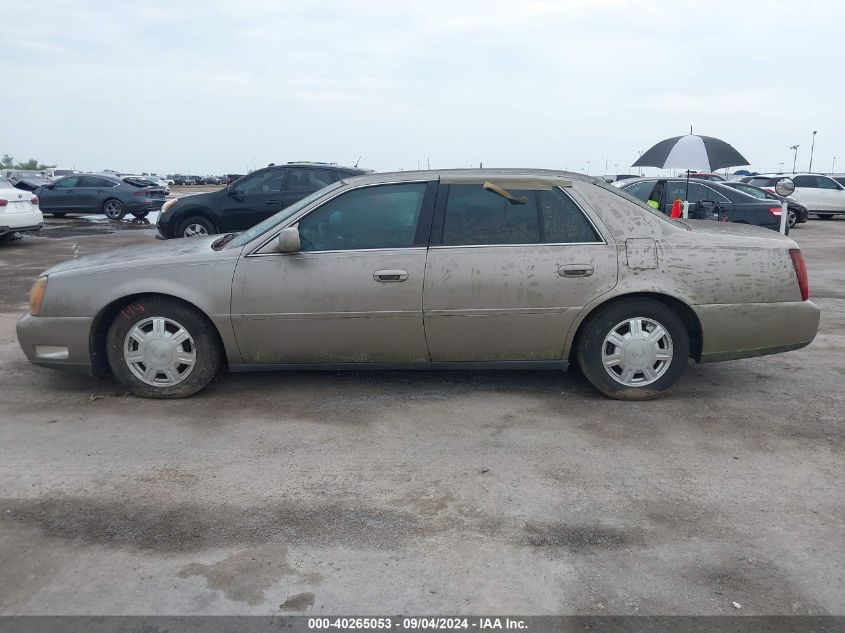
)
(21, 222)
(43, 338)
(744, 330)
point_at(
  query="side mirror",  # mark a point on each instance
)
(785, 187)
(289, 240)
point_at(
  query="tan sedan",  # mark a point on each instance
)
(430, 270)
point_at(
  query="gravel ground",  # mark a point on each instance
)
(478, 492)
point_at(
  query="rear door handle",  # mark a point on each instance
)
(388, 276)
(575, 270)
(272, 202)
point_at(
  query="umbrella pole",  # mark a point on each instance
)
(686, 193)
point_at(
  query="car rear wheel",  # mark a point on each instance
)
(59, 214)
(161, 348)
(825, 216)
(791, 218)
(141, 214)
(196, 227)
(633, 349)
(114, 209)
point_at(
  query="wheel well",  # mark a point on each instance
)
(687, 314)
(104, 318)
(197, 212)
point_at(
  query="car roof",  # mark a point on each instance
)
(456, 175)
(316, 165)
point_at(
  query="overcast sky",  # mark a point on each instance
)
(215, 86)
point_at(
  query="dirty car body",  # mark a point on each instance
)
(427, 270)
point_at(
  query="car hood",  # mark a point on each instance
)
(728, 229)
(153, 253)
(205, 198)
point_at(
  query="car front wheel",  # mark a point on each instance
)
(791, 218)
(196, 227)
(633, 349)
(160, 348)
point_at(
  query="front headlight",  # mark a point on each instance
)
(36, 295)
(168, 204)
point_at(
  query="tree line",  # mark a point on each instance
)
(8, 162)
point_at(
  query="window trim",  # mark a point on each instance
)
(436, 239)
(275, 168)
(426, 213)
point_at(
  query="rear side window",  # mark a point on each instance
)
(640, 190)
(308, 180)
(826, 183)
(563, 220)
(476, 217)
(809, 182)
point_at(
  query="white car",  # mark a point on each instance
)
(54, 173)
(19, 212)
(821, 194)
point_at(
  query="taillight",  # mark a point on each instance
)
(34, 200)
(3, 202)
(775, 211)
(800, 272)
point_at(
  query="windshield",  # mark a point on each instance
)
(274, 220)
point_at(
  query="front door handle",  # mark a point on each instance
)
(272, 202)
(575, 270)
(388, 276)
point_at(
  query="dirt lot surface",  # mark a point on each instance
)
(512, 492)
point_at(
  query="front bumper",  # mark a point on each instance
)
(744, 330)
(46, 334)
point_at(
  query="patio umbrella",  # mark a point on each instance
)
(692, 151)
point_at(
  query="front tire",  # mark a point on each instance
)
(633, 349)
(196, 227)
(114, 209)
(161, 348)
(141, 214)
(791, 218)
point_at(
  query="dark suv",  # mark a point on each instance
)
(248, 200)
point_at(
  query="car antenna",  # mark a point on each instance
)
(357, 161)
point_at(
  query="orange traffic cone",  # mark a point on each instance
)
(676, 209)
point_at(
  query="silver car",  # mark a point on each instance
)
(430, 270)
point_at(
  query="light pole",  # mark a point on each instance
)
(833, 166)
(588, 168)
(640, 168)
(795, 157)
(780, 168)
(812, 147)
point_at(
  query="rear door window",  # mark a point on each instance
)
(807, 182)
(640, 190)
(563, 221)
(475, 216)
(308, 180)
(67, 183)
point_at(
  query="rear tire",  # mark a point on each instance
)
(791, 218)
(141, 214)
(196, 226)
(59, 214)
(160, 348)
(825, 216)
(114, 209)
(633, 349)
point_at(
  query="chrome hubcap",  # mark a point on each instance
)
(637, 352)
(159, 352)
(192, 230)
